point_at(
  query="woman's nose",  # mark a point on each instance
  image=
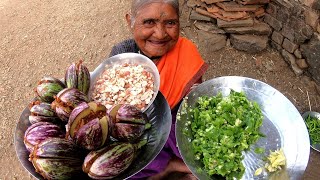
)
(160, 31)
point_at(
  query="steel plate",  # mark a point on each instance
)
(159, 114)
(282, 124)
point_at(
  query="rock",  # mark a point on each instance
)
(273, 22)
(316, 5)
(253, 1)
(277, 37)
(284, 3)
(260, 12)
(233, 6)
(212, 1)
(199, 17)
(289, 46)
(283, 14)
(258, 28)
(236, 23)
(211, 42)
(288, 57)
(288, 32)
(302, 63)
(296, 69)
(276, 46)
(302, 31)
(233, 15)
(193, 3)
(311, 52)
(310, 3)
(209, 27)
(298, 54)
(272, 9)
(312, 18)
(249, 43)
(299, 38)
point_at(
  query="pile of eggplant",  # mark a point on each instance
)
(71, 136)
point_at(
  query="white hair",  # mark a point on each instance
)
(138, 4)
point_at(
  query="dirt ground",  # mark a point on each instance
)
(39, 38)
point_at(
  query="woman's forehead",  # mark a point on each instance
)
(157, 11)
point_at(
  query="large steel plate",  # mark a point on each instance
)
(283, 126)
(159, 114)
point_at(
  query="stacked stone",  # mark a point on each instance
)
(238, 22)
(296, 33)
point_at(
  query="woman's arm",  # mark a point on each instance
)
(125, 46)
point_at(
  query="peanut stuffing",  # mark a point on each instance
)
(127, 83)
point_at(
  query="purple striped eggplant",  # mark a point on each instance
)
(77, 76)
(42, 112)
(127, 122)
(40, 131)
(112, 160)
(48, 87)
(57, 158)
(88, 125)
(66, 100)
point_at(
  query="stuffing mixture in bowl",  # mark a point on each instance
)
(124, 83)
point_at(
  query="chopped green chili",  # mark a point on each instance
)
(259, 150)
(313, 125)
(222, 128)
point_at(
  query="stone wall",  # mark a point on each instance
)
(290, 26)
(295, 33)
(239, 23)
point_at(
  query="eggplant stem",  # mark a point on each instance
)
(141, 143)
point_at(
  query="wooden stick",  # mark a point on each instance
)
(309, 101)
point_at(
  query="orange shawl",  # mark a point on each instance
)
(179, 69)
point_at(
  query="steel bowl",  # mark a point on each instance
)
(159, 114)
(313, 114)
(131, 58)
(282, 124)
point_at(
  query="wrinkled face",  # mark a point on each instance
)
(156, 29)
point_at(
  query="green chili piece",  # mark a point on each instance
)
(313, 125)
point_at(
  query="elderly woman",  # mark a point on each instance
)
(155, 28)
